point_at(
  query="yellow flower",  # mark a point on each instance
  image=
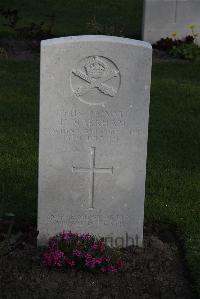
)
(174, 34)
(191, 26)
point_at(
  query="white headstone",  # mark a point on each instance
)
(94, 103)
(162, 17)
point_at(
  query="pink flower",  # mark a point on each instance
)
(77, 252)
(69, 249)
(98, 260)
(94, 246)
(103, 269)
(69, 262)
(109, 269)
(102, 247)
(90, 264)
(112, 269)
(53, 258)
(66, 236)
(86, 237)
(88, 256)
(98, 246)
(119, 264)
(107, 259)
(53, 243)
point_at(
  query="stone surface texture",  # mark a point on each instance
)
(94, 106)
(162, 17)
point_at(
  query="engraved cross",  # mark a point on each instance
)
(92, 170)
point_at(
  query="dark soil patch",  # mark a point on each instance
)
(154, 271)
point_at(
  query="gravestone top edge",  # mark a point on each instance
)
(95, 38)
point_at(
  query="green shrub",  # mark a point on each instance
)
(186, 51)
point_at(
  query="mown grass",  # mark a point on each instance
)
(18, 137)
(173, 175)
(73, 16)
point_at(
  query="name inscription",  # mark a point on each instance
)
(94, 125)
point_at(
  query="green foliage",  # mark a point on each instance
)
(10, 16)
(3, 53)
(73, 16)
(186, 51)
(18, 138)
(6, 219)
(173, 175)
(104, 29)
(40, 31)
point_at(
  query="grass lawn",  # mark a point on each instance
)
(173, 175)
(72, 16)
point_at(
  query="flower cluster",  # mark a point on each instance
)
(82, 251)
(168, 43)
(185, 48)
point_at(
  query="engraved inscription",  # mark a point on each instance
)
(84, 219)
(99, 74)
(92, 170)
(94, 125)
(97, 126)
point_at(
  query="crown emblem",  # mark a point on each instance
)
(99, 74)
(95, 68)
